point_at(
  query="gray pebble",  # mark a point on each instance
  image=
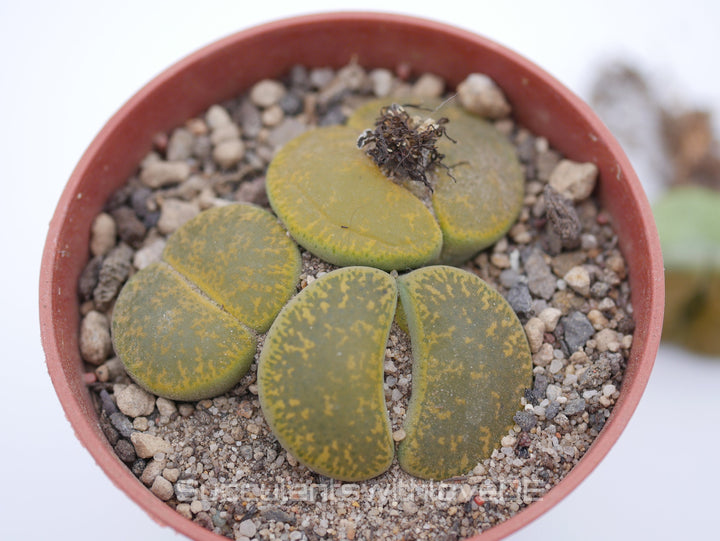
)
(113, 273)
(599, 290)
(292, 104)
(122, 424)
(541, 281)
(596, 374)
(552, 392)
(519, 298)
(578, 330)
(107, 403)
(552, 410)
(95, 341)
(107, 428)
(125, 451)
(138, 466)
(139, 202)
(526, 420)
(250, 119)
(285, 131)
(89, 278)
(130, 228)
(321, 77)
(509, 277)
(574, 406)
(278, 515)
(541, 384)
(299, 77)
(247, 528)
(185, 490)
(246, 451)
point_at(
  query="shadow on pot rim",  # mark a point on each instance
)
(231, 65)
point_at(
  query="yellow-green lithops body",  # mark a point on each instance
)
(241, 257)
(485, 198)
(320, 374)
(185, 327)
(471, 364)
(174, 341)
(337, 204)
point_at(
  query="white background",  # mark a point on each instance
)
(66, 66)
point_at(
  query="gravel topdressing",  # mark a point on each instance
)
(216, 461)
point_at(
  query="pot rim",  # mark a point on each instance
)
(84, 421)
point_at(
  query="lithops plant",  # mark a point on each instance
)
(471, 362)
(320, 374)
(478, 195)
(337, 204)
(688, 221)
(185, 328)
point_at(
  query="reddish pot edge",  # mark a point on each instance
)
(379, 39)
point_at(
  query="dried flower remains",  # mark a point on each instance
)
(405, 146)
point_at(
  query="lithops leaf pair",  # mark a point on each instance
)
(337, 203)
(185, 328)
(476, 200)
(320, 374)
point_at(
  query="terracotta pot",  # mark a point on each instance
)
(228, 67)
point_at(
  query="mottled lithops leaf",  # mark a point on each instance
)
(185, 327)
(241, 257)
(688, 221)
(320, 374)
(477, 208)
(174, 341)
(471, 365)
(338, 204)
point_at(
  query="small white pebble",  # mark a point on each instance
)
(266, 93)
(102, 234)
(479, 94)
(574, 180)
(550, 317)
(555, 366)
(553, 392)
(535, 329)
(217, 116)
(598, 320)
(608, 390)
(578, 278)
